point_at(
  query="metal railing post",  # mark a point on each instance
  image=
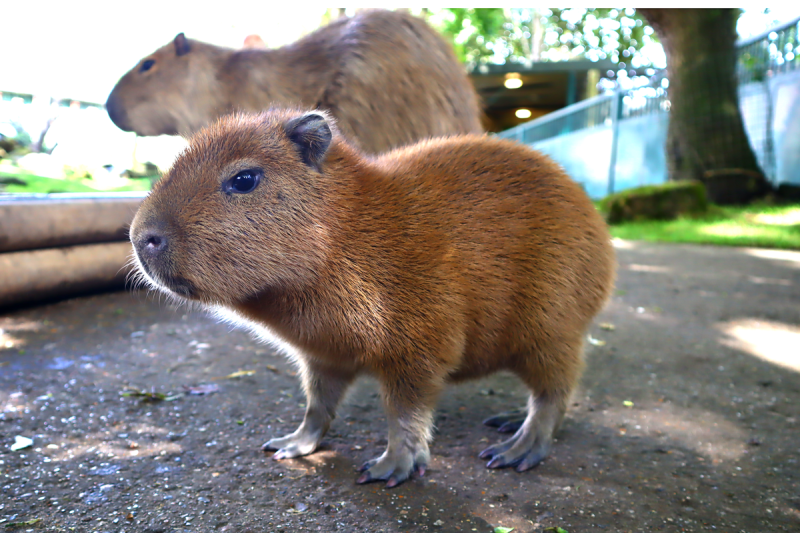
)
(616, 115)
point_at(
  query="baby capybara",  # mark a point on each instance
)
(442, 261)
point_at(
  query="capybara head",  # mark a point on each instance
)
(241, 211)
(171, 91)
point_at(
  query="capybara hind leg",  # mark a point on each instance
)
(531, 442)
(409, 411)
(508, 421)
(551, 375)
(324, 388)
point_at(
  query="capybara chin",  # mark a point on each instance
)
(387, 77)
(446, 260)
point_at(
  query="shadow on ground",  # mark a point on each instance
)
(687, 419)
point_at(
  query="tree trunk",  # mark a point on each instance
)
(706, 140)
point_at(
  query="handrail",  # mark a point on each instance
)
(563, 112)
(750, 40)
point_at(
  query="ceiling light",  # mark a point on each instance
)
(513, 83)
(523, 113)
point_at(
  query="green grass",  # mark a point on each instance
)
(758, 225)
(39, 184)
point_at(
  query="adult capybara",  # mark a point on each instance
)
(433, 263)
(387, 77)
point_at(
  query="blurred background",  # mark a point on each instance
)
(591, 87)
(58, 71)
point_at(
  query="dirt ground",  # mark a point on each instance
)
(686, 420)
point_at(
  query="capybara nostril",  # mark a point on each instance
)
(152, 244)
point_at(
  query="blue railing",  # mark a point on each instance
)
(774, 51)
(761, 58)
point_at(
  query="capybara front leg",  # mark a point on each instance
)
(409, 411)
(324, 388)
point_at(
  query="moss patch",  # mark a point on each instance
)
(656, 202)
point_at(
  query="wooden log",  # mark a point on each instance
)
(38, 275)
(31, 223)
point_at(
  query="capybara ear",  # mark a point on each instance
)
(312, 135)
(181, 45)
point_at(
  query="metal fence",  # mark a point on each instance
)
(773, 52)
(617, 122)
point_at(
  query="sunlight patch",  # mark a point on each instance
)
(704, 432)
(622, 244)
(730, 230)
(655, 269)
(793, 258)
(773, 342)
(789, 218)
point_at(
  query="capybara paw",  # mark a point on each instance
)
(508, 422)
(291, 446)
(393, 468)
(515, 452)
(522, 462)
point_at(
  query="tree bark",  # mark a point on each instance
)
(706, 139)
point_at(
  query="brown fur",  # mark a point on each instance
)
(446, 260)
(387, 78)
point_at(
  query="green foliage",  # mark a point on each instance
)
(496, 35)
(752, 67)
(29, 183)
(759, 225)
(473, 31)
(614, 33)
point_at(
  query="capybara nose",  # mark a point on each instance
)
(116, 112)
(152, 244)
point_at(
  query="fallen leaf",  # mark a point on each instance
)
(205, 388)
(596, 342)
(21, 443)
(556, 529)
(627, 403)
(608, 326)
(500, 529)
(239, 374)
(152, 396)
(272, 368)
(12, 525)
(299, 507)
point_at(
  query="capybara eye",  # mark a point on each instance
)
(243, 182)
(147, 65)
